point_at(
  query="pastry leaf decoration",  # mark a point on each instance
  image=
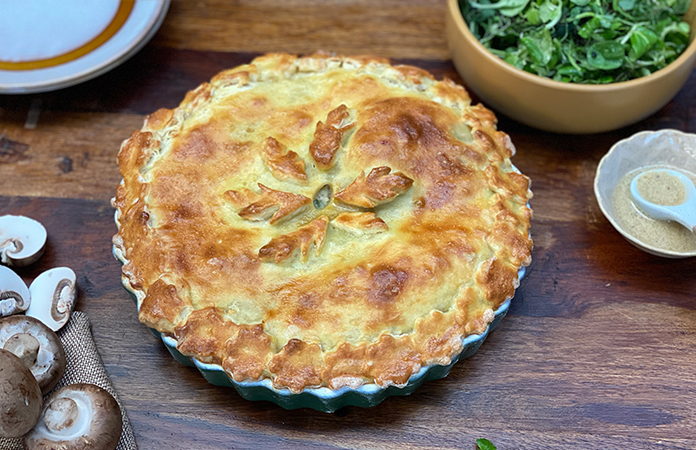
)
(328, 137)
(359, 223)
(283, 164)
(282, 247)
(270, 204)
(378, 187)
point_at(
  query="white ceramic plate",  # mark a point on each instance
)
(52, 44)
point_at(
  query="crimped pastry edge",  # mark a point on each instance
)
(325, 399)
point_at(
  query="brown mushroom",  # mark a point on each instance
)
(77, 417)
(20, 397)
(37, 346)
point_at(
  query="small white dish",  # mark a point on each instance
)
(664, 148)
(88, 45)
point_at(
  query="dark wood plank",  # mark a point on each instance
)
(594, 354)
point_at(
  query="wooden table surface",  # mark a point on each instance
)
(599, 347)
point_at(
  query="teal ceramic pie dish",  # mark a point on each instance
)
(322, 398)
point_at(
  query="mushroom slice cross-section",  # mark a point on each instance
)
(22, 240)
(14, 293)
(20, 397)
(77, 417)
(54, 294)
(37, 346)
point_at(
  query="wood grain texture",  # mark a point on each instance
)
(391, 28)
(79, 129)
(592, 354)
(598, 349)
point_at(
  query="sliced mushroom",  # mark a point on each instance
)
(22, 240)
(37, 346)
(14, 293)
(77, 417)
(54, 297)
(20, 397)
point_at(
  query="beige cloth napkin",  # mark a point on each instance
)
(84, 365)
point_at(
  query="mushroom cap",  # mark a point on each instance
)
(49, 362)
(77, 417)
(53, 294)
(14, 293)
(22, 240)
(20, 397)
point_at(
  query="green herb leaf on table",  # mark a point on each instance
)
(581, 41)
(484, 444)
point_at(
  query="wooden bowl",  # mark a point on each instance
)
(556, 106)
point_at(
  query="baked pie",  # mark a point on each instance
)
(321, 221)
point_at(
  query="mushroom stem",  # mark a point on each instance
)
(25, 346)
(14, 293)
(10, 302)
(6, 248)
(61, 414)
(77, 417)
(63, 299)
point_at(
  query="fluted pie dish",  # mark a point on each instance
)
(322, 231)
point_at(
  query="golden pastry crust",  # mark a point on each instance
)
(321, 221)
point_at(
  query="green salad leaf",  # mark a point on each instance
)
(581, 41)
(507, 8)
(606, 55)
